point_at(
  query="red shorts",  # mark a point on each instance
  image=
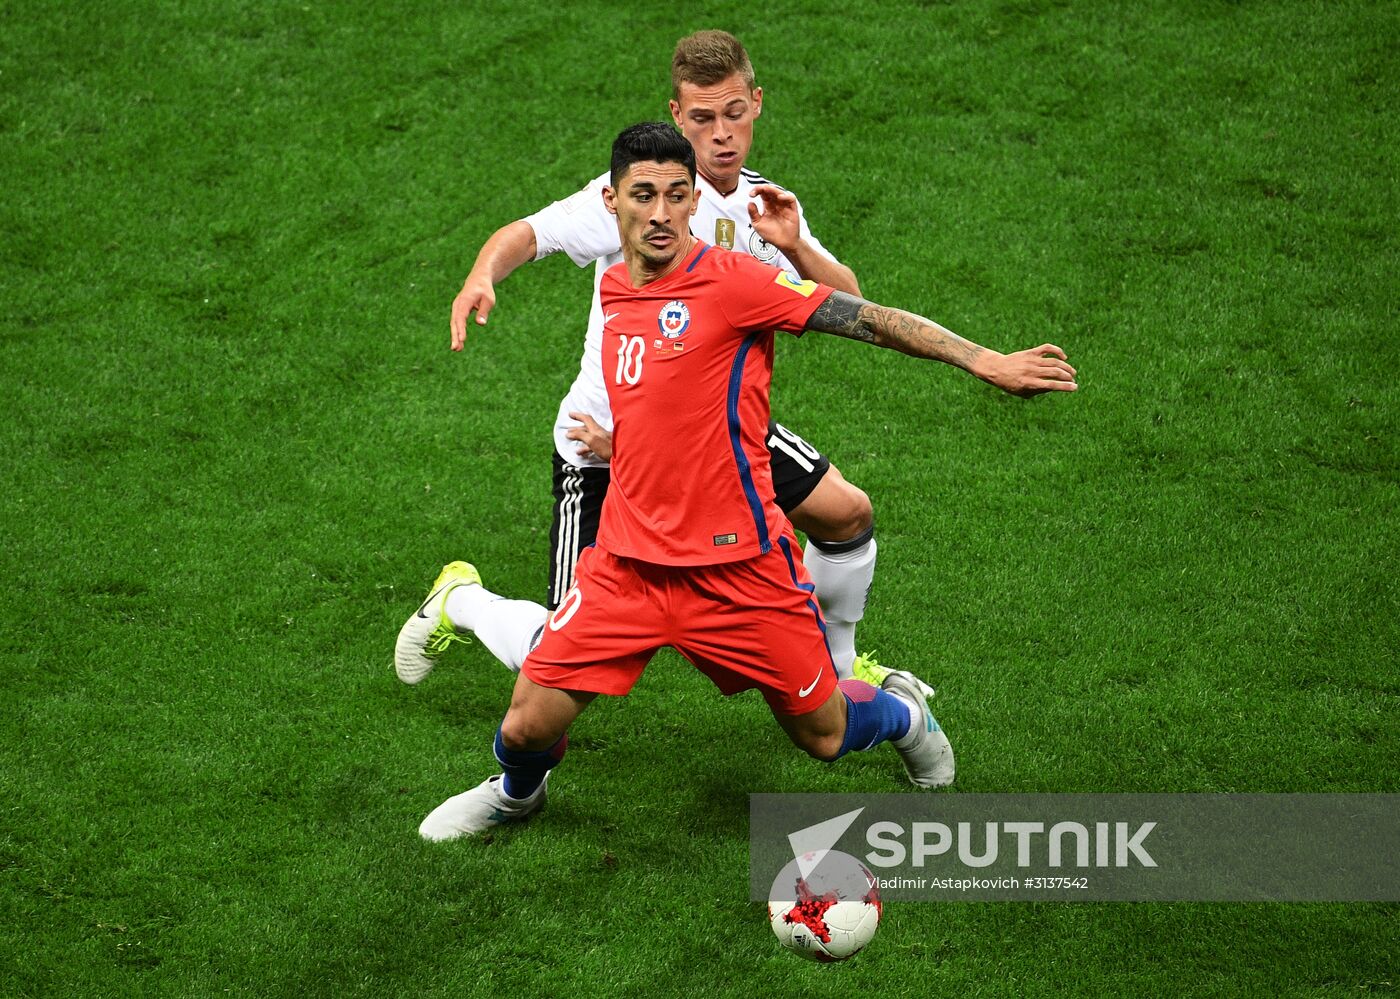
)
(748, 624)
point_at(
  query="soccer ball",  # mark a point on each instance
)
(831, 913)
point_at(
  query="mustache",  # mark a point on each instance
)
(659, 231)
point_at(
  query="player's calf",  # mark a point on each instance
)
(855, 717)
(818, 733)
(836, 511)
(858, 716)
(539, 716)
(840, 555)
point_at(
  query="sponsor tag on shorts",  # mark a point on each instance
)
(726, 539)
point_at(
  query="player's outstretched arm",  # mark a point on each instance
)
(508, 248)
(1025, 373)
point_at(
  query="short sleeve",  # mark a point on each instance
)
(580, 225)
(758, 297)
(812, 241)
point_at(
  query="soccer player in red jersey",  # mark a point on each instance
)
(692, 550)
(717, 104)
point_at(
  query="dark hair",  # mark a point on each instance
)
(652, 141)
(707, 57)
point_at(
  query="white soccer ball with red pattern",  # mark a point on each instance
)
(829, 914)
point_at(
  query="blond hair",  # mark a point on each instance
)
(707, 57)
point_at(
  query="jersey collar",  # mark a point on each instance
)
(739, 191)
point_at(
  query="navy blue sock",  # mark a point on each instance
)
(872, 716)
(525, 769)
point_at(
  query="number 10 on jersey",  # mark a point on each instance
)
(629, 359)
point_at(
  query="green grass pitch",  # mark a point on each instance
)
(236, 449)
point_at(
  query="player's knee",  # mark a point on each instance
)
(821, 743)
(825, 746)
(513, 732)
(847, 514)
(522, 733)
(820, 733)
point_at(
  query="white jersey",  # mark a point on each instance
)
(582, 227)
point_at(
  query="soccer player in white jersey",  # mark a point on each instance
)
(715, 103)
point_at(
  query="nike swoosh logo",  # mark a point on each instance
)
(610, 317)
(430, 600)
(811, 686)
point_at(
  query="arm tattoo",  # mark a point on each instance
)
(841, 314)
(854, 318)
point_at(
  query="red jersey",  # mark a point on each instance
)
(688, 360)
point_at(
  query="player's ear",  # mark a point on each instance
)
(676, 113)
(610, 200)
(757, 101)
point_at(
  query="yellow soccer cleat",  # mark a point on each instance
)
(428, 633)
(866, 667)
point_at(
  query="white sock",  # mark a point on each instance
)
(916, 714)
(843, 581)
(506, 627)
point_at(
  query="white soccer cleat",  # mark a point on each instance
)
(925, 750)
(483, 807)
(428, 633)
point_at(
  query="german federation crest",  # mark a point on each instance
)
(760, 249)
(674, 319)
